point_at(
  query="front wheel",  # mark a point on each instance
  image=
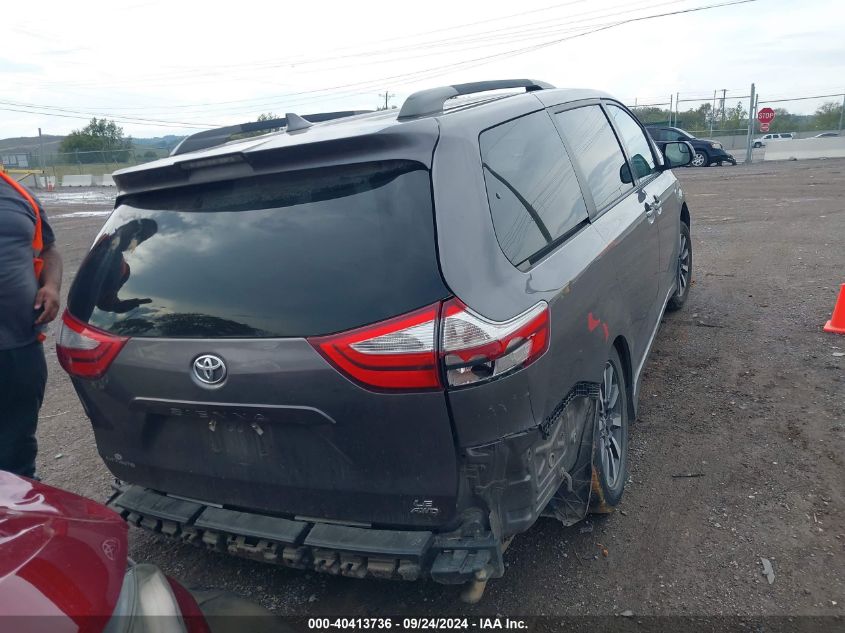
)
(700, 160)
(610, 461)
(758, 145)
(684, 270)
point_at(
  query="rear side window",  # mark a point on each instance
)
(534, 196)
(639, 150)
(290, 254)
(596, 149)
(657, 134)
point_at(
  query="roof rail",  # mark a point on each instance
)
(220, 135)
(431, 101)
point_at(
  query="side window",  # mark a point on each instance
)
(657, 134)
(531, 185)
(677, 136)
(639, 149)
(596, 149)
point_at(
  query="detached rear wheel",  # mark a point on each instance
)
(610, 461)
(684, 270)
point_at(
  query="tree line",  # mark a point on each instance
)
(103, 140)
(734, 120)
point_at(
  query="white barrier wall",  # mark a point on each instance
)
(44, 181)
(104, 181)
(83, 180)
(804, 148)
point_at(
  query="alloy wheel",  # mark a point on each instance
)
(683, 265)
(699, 159)
(610, 426)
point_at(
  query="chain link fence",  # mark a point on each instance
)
(730, 117)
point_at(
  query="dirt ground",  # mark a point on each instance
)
(743, 391)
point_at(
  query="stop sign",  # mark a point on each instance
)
(766, 115)
(764, 127)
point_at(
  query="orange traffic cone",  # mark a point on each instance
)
(837, 320)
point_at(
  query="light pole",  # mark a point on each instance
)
(751, 103)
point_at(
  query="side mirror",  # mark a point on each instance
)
(678, 154)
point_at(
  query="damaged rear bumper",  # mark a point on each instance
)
(504, 487)
(336, 549)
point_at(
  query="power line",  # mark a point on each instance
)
(544, 26)
(302, 61)
(839, 94)
(88, 117)
(405, 78)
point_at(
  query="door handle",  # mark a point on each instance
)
(658, 205)
(649, 212)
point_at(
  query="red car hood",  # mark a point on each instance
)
(61, 555)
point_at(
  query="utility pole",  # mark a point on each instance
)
(387, 95)
(724, 93)
(41, 159)
(841, 113)
(751, 106)
(677, 107)
(671, 108)
(713, 114)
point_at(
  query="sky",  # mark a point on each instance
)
(165, 67)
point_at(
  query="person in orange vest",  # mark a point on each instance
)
(30, 281)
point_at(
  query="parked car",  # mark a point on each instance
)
(384, 344)
(767, 138)
(64, 567)
(707, 152)
(827, 135)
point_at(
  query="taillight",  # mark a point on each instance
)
(402, 353)
(395, 354)
(85, 351)
(475, 349)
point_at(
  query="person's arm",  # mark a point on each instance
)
(51, 284)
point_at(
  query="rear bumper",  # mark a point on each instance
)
(449, 558)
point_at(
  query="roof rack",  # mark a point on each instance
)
(220, 135)
(431, 101)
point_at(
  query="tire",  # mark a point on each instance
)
(610, 457)
(684, 270)
(758, 145)
(701, 159)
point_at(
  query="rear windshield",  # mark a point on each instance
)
(292, 254)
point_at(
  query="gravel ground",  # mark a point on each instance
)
(743, 390)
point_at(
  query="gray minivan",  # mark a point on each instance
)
(384, 343)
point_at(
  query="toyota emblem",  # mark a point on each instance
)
(209, 369)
